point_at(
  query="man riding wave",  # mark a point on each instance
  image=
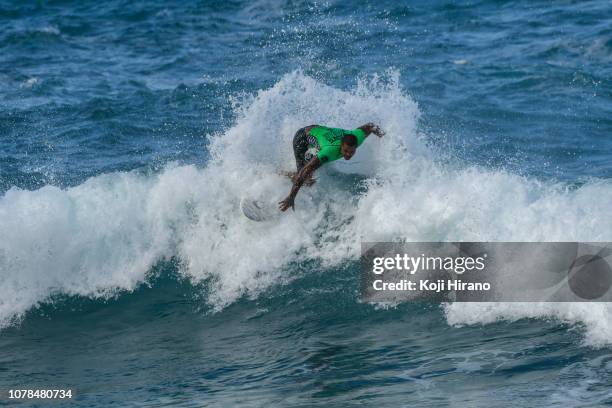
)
(316, 145)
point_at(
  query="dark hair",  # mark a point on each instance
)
(349, 139)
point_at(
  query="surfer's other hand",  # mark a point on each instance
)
(378, 131)
(286, 203)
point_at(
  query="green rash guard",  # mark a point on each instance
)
(326, 141)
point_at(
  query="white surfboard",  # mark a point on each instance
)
(256, 210)
(258, 206)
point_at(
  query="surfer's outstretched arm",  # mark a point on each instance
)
(304, 173)
(372, 128)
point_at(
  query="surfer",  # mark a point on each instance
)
(315, 145)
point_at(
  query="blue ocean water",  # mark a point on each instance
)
(130, 130)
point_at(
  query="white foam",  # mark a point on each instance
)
(105, 234)
(30, 82)
(51, 29)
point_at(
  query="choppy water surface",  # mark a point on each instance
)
(129, 132)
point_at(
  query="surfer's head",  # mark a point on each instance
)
(348, 146)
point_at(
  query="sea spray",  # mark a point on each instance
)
(105, 234)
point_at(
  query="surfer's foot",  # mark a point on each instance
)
(310, 181)
(293, 175)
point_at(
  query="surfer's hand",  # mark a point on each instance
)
(372, 128)
(378, 131)
(286, 203)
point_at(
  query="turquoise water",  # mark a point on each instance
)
(129, 132)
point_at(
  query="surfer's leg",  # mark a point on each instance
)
(300, 146)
